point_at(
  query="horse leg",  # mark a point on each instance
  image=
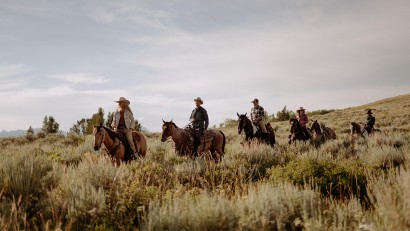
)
(119, 155)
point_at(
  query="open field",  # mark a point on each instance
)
(61, 183)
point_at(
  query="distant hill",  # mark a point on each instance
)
(16, 133)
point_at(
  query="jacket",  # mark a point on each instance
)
(128, 117)
(370, 121)
(199, 118)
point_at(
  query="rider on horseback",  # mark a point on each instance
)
(370, 122)
(303, 120)
(199, 120)
(258, 117)
(124, 122)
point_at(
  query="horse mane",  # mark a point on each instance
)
(111, 133)
(245, 117)
(294, 120)
(172, 122)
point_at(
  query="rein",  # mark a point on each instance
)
(115, 148)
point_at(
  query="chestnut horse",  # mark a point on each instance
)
(114, 143)
(251, 132)
(213, 140)
(297, 132)
(356, 129)
(321, 132)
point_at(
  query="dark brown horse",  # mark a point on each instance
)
(114, 143)
(321, 133)
(213, 140)
(297, 132)
(357, 130)
(252, 132)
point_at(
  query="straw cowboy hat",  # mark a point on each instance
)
(122, 99)
(198, 99)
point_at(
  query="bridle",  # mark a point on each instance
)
(116, 144)
(102, 136)
(316, 128)
(242, 128)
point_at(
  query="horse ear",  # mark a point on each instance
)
(163, 121)
(100, 124)
(246, 113)
(171, 120)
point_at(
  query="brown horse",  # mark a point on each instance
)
(252, 132)
(297, 132)
(357, 130)
(213, 141)
(114, 143)
(321, 132)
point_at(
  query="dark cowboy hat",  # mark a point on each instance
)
(122, 99)
(369, 111)
(255, 101)
(301, 109)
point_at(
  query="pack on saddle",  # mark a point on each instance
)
(205, 138)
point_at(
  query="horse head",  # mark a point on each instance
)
(269, 128)
(241, 119)
(294, 124)
(355, 128)
(166, 130)
(316, 127)
(99, 136)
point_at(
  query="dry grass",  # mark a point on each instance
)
(60, 183)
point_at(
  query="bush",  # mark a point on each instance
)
(338, 179)
(25, 179)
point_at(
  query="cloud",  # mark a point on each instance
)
(81, 78)
(134, 12)
(10, 70)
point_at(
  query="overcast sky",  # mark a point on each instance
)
(68, 58)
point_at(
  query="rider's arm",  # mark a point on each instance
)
(206, 119)
(132, 121)
(113, 121)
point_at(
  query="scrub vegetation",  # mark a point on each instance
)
(59, 182)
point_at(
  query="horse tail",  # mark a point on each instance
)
(223, 142)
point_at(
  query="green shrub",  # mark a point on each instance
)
(335, 178)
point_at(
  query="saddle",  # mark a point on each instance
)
(128, 153)
(204, 138)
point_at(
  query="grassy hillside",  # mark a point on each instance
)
(60, 182)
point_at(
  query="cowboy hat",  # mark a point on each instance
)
(255, 101)
(122, 99)
(369, 111)
(301, 109)
(198, 99)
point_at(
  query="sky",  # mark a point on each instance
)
(68, 58)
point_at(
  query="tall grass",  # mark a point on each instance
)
(61, 183)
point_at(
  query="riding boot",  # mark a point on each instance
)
(196, 145)
(131, 143)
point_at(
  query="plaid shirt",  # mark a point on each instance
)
(257, 114)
